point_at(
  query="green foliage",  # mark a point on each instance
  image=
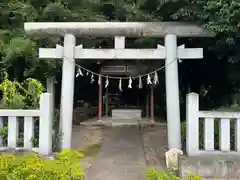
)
(33, 90)
(19, 48)
(17, 95)
(223, 15)
(4, 134)
(11, 95)
(153, 174)
(33, 167)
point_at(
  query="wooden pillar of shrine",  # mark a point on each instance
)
(106, 102)
(147, 104)
(152, 104)
(100, 99)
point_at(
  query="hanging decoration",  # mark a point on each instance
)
(107, 82)
(92, 78)
(79, 72)
(130, 82)
(120, 84)
(155, 81)
(149, 79)
(140, 84)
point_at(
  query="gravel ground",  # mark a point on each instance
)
(155, 145)
(89, 140)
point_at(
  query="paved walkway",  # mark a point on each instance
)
(121, 156)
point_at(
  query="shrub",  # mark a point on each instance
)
(153, 174)
(23, 95)
(33, 167)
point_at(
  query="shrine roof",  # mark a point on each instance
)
(111, 29)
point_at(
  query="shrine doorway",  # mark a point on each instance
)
(128, 103)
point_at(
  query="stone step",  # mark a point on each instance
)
(135, 114)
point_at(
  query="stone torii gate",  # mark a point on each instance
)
(169, 30)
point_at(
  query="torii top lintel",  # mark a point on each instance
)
(111, 29)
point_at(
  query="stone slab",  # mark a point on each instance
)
(211, 167)
(121, 156)
(111, 29)
(127, 114)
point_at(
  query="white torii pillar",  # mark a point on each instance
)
(67, 52)
(172, 92)
(172, 54)
(67, 93)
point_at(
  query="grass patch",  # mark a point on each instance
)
(153, 174)
(91, 151)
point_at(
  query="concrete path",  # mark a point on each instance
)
(121, 156)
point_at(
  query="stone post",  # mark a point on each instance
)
(192, 129)
(51, 90)
(45, 124)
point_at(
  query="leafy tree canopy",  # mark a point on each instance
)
(18, 52)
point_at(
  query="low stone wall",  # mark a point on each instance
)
(222, 167)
